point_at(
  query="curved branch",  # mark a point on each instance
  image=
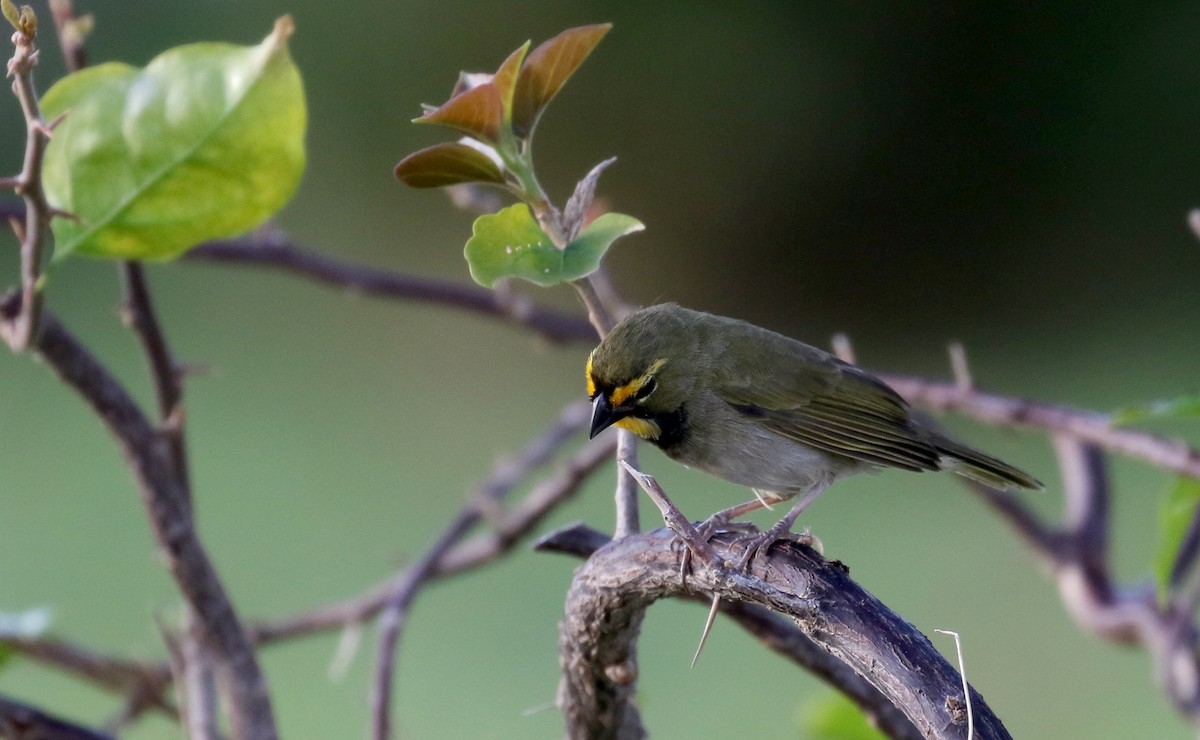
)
(773, 631)
(613, 589)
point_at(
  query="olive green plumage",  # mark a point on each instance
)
(760, 409)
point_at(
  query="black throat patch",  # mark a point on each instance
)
(672, 426)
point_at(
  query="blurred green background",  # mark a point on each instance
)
(1015, 178)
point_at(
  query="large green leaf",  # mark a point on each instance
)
(1175, 514)
(511, 244)
(207, 141)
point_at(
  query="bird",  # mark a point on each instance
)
(762, 410)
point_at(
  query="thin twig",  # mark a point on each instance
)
(395, 610)
(395, 614)
(25, 324)
(627, 513)
(139, 314)
(1086, 426)
(23, 722)
(483, 548)
(129, 677)
(274, 252)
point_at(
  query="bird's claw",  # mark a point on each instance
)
(762, 543)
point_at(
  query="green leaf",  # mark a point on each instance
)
(582, 257)
(11, 13)
(547, 69)
(511, 244)
(206, 141)
(1182, 407)
(450, 163)
(1175, 513)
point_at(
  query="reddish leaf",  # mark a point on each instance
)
(546, 70)
(449, 163)
(476, 112)
(505, 78)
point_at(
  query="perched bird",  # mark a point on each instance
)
(759, 409)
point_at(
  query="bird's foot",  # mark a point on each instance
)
(763, 541)
(707, 529)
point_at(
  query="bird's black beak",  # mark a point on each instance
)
(603, 415)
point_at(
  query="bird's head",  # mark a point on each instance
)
(643, 372)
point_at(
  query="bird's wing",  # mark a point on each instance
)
(807, 395)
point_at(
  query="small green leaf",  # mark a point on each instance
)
(1175, 513)
(11, 13)
(1182, 407)
(477, 112)
(449, 163)
(582, 257)
(511, 244)
(207, 141)
(547, 69)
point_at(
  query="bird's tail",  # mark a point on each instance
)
(984, 468)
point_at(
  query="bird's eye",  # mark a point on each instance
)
(644, 392)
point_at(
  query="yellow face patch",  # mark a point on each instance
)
(629, 390)
(591, 384)
(643, 428)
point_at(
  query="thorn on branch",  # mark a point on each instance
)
(959, 368)
(843, 349)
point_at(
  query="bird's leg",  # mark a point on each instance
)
(723, 517)
(673, 518)
(721, 520)
(781, 527)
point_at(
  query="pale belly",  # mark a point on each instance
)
(759, 459)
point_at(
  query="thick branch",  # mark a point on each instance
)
(774, 632)
(165, 499)
(611, 592)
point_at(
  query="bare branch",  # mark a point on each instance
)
(483, 548)
(23, 722)
(271, 251)
(146, 679)
(613, 589)
(38, 213)
(165, 499)
(627, 486)
(1086, 426)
